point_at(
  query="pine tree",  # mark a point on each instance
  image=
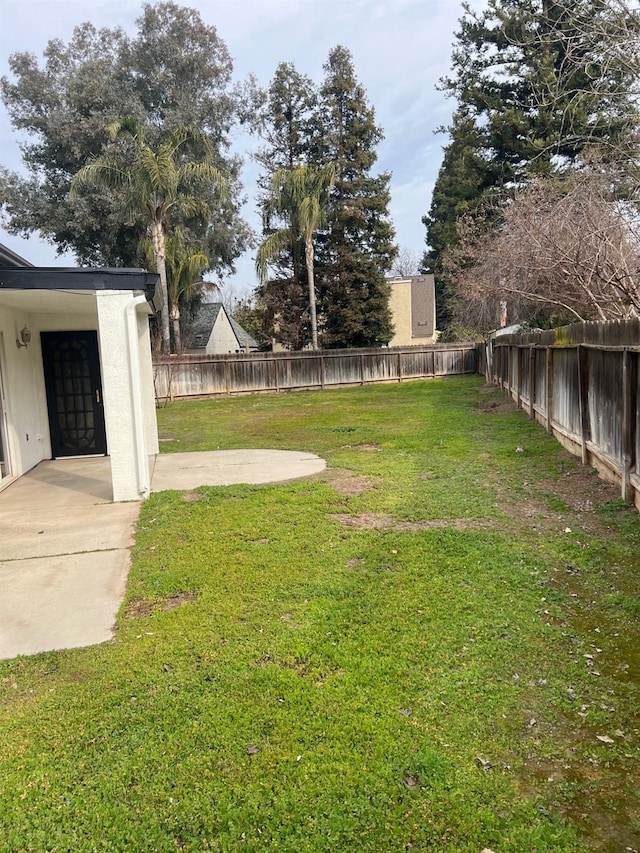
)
(358, 248)
(463, 178)
(286, 123)
(536, 83)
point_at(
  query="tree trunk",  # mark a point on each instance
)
(175, 322)
(308, 251)
(157, 236)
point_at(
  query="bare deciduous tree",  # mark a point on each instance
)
(563, 251)
(406, 262)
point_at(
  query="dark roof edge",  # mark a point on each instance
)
(81, 278)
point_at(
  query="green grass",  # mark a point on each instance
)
(281, 680)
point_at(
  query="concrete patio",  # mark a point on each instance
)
(65, 547)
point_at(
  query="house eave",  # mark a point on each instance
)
(9, 258)
(78, 279)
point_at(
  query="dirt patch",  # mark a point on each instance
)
(375, 448)
(581, 489)
(345, 482)
(301, 666)
(567, 501)
(378, 521)
(190, 497)
(139, 608)
(365, 521)
(497, 405)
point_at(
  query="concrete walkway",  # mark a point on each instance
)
(65, 548)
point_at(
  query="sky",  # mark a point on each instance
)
(400, 49)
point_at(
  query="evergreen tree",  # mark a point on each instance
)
(535, 83)
(355, 250)
(463, 178)
(299, 199)
(358, 248)
(286, 123)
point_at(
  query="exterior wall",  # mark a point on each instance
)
(412, 304)
(121, 320)
(222, 338)
(423, 308)
(400, 305)
(27, 424)
(28, 436)
(127, 431)
(147, 389)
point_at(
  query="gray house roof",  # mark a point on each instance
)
(203, 323)
(9, 258)
(244, 338)
(205, 320)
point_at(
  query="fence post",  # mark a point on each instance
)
(549, 401)
(532, 381)
(583, 392)
(518, 376)
(629, 384)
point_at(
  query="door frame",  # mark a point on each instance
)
(90, 336)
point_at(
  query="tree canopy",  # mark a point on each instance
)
(300, 198)
(151, 183)
(537, 83)
(307, 126)
(174, 72)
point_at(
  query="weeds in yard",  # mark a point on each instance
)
(451, 671)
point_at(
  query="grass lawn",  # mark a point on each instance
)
(433, 646)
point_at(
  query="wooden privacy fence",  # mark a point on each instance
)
(582, 383)
(206, 376)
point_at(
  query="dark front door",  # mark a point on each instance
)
(74, 393)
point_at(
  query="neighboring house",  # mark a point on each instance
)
(75, 369)
(214, 332)
(413, 310)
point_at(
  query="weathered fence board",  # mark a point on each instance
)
(205, 376)
(585, 383)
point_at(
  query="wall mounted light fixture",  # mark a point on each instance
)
(25, 338)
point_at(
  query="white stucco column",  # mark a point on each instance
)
(123, 380)
(146, 381)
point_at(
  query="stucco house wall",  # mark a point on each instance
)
(28, 436)
(400, 307)
(413, 310)
(119, 316)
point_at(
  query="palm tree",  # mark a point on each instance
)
(155, 182)
(299, 197)
(185, 264)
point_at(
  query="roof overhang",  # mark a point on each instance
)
(53, 282)
(9, 258)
